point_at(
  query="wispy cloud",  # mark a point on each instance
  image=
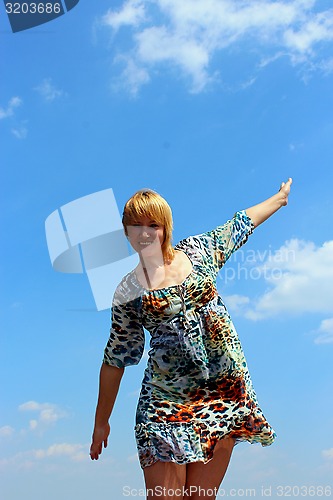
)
(133, 76)
(236, 302)
(325, 335)
(9, 110)
(131, 14)
(6, 431)
(48, 90)
(30, 458)
(20, 131)
(76, 452)
(328, 453)
(296, 146)
(47, 414)
(186, 35)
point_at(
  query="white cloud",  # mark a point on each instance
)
(33, 424)
(326, 66)
(31, 406)
(186, 35)
(133, 76)
(295, 146)
(319, 28)
(325, 332)
(28, 459)
(48, 414)
(328, 453)
(48, 90)
(6, 431)
(76, 452)
(158, 45)
(236, 302)
(13, 103)
(131, 14)
(20, 132)
(300, 277)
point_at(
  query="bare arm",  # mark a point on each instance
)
(259, 213)
(109, 382)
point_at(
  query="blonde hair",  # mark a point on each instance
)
(148, 203)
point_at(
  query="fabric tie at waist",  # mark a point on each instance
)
(190, 339)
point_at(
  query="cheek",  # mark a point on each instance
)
(132, 239)
(132, 232)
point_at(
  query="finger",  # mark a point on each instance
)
(94, 455)
(95, 451)
(106, 443)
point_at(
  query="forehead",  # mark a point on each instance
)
(149, 213)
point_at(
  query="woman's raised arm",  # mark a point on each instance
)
(259, 213)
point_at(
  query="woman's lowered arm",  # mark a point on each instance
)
(259, 213)
(110, 377)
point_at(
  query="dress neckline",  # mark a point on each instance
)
(169, 286)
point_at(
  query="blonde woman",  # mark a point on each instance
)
(197, 399)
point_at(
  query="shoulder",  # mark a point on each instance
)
(240, 220)
(194, 245)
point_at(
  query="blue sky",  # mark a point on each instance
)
(212, 104)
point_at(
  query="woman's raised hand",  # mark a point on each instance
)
(285, 190)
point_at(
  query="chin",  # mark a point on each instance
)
(153, 250)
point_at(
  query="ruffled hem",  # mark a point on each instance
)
(187, 442)
(177, 442)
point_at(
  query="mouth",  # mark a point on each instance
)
(145, 244)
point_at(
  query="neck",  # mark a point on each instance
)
(152, 263)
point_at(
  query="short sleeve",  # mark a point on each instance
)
(226, 239)
(126, 342)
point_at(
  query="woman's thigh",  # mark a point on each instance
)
(165, 481)
(203, 480)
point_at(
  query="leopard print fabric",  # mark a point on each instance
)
(196, 387)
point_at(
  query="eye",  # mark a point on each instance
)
(154, 225)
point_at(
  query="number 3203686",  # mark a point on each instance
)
(33, 8)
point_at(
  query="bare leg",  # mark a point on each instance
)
(165, 481)
(203, 480)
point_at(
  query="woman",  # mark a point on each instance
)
(197, 399)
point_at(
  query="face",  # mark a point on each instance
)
(146, 237)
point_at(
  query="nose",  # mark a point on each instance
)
(146, 232)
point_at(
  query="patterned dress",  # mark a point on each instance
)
(196, 387)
